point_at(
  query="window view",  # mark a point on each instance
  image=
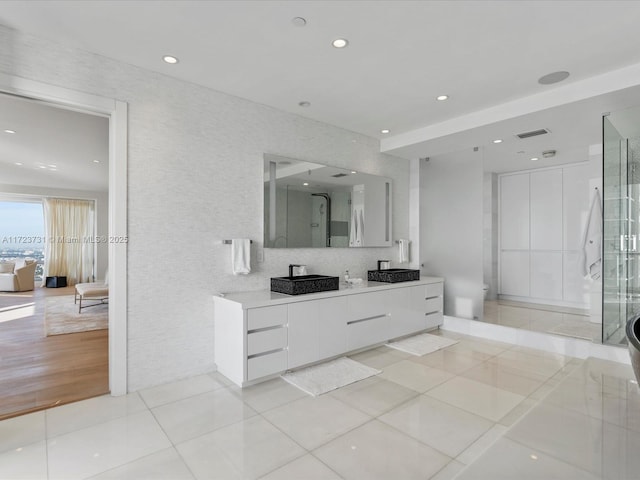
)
(22, 233)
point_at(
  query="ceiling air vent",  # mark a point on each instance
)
(533, 133)
(338, 175)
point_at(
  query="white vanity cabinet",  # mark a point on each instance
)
(260, 334)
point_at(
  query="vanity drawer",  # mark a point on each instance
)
(373, 304)
(266, 317)
(264, 365)
(266, 340)
(434, 290)
(433, 319)
(433, 304)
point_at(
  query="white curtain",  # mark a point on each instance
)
(69, 227)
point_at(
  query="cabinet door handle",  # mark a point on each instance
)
(368, 318)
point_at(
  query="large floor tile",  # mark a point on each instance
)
(379, 357)
(475, 397)
(21, 431)
(26, 462)
(506, 378)
(415, 376)
(377, 451)
(508, 460)
(441, 426)
(247, 450)
(93, 411)
(164, 465)
(374, 396)
(267, 395)
(585, 442)
(449, 361)
(179, 390)
(307, 467)
(204, 413)
(542, 365)
(450, 471)
(87, 452)
(482, 444)
(312, 421)
(478, 348)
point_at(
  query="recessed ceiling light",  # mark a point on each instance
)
(53, 166)
(533, 159)
(304, 104)
(340, 42)
(170, 59)
(306, 184)
(385, 130)
(353, 171)
(533, 456)
(18, 163)
(441, 98)
(497, 140)
(299, 21)
(96, 161)
(42, 166)
(554, 77)
(9, 131)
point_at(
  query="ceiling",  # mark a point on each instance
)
(401, 55)
(52, 147)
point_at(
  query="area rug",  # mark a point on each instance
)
(329, 376)
(422, 344)
(61, 316)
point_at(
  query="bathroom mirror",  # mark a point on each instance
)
(310, 205)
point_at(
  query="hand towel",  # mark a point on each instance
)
(591, 256)
(403, 250)
(241, 256)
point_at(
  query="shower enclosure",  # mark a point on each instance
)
(621, 225)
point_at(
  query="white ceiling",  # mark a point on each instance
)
(56, 147)
(401, 55)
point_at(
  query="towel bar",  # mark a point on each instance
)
(228, 242)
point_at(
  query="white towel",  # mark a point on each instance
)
(357, 228)
(403, 250)
(591, 256)
(241, 256)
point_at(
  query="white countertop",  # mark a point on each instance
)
(264, 298)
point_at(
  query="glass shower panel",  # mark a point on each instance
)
(621, 226)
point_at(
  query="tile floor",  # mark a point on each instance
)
(537, 320)
(479, 409)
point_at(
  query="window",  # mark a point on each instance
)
(22, 232)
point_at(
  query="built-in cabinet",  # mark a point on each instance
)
(260, 334)
(541, 220)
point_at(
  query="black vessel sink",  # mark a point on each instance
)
(393, 275)
(304, 284)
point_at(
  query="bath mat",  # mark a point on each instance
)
(329, 376)
(421, 344)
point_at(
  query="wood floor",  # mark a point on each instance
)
(38, 372)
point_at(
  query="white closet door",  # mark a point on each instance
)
(514, 212)
(546, 210)
(514, 273)
(546, 275)
(575, 205)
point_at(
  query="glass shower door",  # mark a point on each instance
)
(621, 239)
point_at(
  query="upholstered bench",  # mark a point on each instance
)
(96, 292)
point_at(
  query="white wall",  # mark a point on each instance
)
(195, 178)
(102, 213)
(451, 229)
